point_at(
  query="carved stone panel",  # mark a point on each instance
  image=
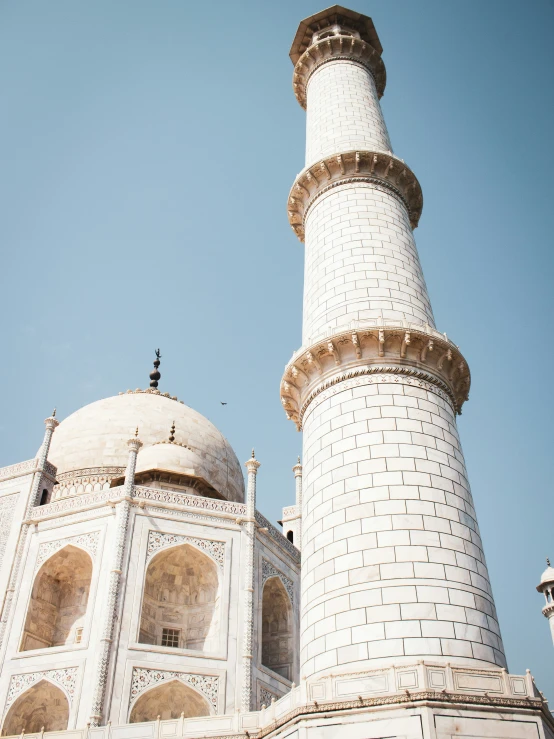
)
(144, 678)
(268, 570)
(88, 542)
(158, 540)
(65, 678)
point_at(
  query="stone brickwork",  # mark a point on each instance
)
(393, 562)
(343, 112)
(361, 261)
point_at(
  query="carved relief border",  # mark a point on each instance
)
(144, 678)
(268, 570)
(387, 350)
(158, 541)
(382, 169)
(88, 542)
(65, 678)
(7, 507)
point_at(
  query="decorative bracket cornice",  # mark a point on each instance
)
(420, 353)
(332, 49)
(381, 168)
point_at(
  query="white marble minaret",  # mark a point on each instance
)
(393, 564)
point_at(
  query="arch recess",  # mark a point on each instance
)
(277, 628)
(58, 604)
(168, 701)
(180, 605)
(42, 705)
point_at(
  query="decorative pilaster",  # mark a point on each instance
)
(250, 530)
(121, 524)
(51, 423)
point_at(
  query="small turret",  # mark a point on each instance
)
(546, 586)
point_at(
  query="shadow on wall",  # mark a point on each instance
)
(58, 602)
(44, 706)
(277, 628)
(180, 601)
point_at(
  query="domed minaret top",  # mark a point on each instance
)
(546, 586)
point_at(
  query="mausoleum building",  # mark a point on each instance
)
(145, 596)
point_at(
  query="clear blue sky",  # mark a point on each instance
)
(147, 150)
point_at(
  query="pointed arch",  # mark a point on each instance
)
(168, 701)
(42, 705)
(277, 628)
(59, 598)
(180, 605)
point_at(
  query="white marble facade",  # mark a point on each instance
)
(176, 646)
(144, 596)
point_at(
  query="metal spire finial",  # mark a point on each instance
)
(54, 413)
(136, 432)
(172, 432)
(253, 455)
(298, 459)
(155, 375)
(548, 561)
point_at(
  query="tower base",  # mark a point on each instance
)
(419, 701)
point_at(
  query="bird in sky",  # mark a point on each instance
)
(222, 403)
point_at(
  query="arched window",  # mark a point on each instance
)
(180, 602)
(277, 628)
(44, 497)
(43, 705)
(169, 701)
(290, 536)
(58, 600)
(548, 596)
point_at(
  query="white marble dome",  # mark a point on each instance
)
(547, 577)
(95, 437)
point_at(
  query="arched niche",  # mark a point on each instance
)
(58, 604)
(277, 628)
(180, 606)
(43, 705)
(169, 701)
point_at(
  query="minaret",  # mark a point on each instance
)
(546, 586)
(393, 569)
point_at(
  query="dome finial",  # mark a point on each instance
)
(54, 413)
(172, 433)
(548, 561)
(136, 432)
(155, 375)
(253, 455)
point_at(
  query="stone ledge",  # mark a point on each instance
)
(334, 48)
(376, 167)
(416, 353)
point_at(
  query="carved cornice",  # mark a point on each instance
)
(277, 536)
(377, 167)
(415, 353)
(332, 49)
(548, 610)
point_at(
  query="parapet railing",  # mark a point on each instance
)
(390, 686)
